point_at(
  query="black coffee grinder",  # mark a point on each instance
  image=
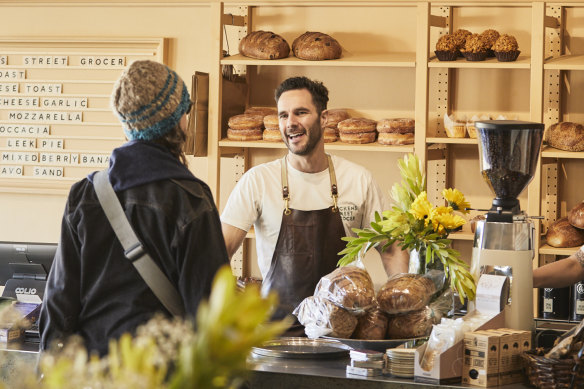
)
(503, 243)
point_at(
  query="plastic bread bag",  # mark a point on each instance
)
(455, 128)
(321, 317)
(405, 292)
(442, 337)
(349, 287)
(412, 324)
(371, 326)
(569, 343)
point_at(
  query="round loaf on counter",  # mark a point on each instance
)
(390, 138)
(566, 136)
(562, 234)
(264, 111)
(244, 135)
(317, 312)
(371, 326)
(334, 116)
(272, 135)
(246, 122)
(576, 216)
(316, 46)
(412, 325)
(404, 293)
(349, 287)
(397, 126)
(264, 45)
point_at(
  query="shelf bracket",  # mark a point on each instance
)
(438, 21)
(234, 20)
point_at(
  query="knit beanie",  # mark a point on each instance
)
(149, 99)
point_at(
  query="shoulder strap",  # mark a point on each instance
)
(133, 249)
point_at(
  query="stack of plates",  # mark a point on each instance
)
(400, 362)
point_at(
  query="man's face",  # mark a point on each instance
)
(299, 122)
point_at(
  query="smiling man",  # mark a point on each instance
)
(303, 204)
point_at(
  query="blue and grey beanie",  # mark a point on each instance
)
(149, 99)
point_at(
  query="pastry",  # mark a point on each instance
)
(562, 234)
(475, 48)
(246, 122)
(446, 48)
(460, 36)
(264, 45)
(506, 48)
(357, 138)
(330, 134)
(357, 130)
(389, 138)
(272, 135)
(404, 293)
(566, 136)
(271, 122)
(264, 111)
(334, 116)
(490, 36)
(349, 287)
(398, 131)
(316, 46)
(245, 135)
(576, 216)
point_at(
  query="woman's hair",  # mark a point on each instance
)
(174, 141)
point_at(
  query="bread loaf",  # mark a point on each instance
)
(271, 135)
(246, 122)
(244, 135)
(576, 216)
(334, 116)
(272, 122)
(391, 138)
(404, 293)
(330, 134)
(264, 111)
(264, 45)
(371, 326)
(320, 316)
(566, 136)
(398, 126)
(562, 234)
(316, 46)
(411, 325)
(349, 287)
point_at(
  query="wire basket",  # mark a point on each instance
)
(552, 373)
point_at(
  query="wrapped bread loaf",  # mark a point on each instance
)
(349, 287)
(404, 293)
(566, 136)
(264, 45)
(576, 216)
(412, 325)
(321, 317)
(562, 234)
(371, 326)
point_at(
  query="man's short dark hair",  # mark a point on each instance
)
(317, 90)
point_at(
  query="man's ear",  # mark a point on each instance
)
(323, 117)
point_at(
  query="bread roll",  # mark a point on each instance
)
(330, 135)
(411, 325)
(334, 116)
(246, 122)
(398, 126)
(271, 121)
(264, 111)
(315, 312)
(316, 46)
(404, 293)
(264, 45)
(357, 125)
(371, 326)
(390, 138)
(244, 135)
(566, 136)
(272, 135)
(576, 216)
(349, 287)
(562, 234)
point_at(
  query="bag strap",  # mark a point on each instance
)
(133, 249)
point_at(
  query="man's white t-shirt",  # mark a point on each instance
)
(257, 200)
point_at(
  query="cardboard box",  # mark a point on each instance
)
(447, 367)
(520, 341)
(482, 357)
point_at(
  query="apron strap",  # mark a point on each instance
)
(286, 191)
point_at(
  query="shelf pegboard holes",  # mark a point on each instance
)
(441, 81)
(551, 85)
(550, 199)
(237, 259)
(436, 180)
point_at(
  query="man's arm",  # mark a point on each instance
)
(233, 238)
(559, 274)
(395, 260)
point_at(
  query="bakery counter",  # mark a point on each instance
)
(282, 373)
(14, 355)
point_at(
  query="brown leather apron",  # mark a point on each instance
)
(306, 250)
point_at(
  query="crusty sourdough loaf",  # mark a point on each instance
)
(404, 293)
(562, 234)
(264, 45)
(318, 312)
(316, 46)
(412, 324)
(349, 287)
(566, 136)
(371, 326)
(576, 216)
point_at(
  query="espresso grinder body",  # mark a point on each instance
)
(503, 242)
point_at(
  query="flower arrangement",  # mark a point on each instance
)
(416, 224)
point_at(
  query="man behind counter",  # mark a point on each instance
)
(293, 205)
(93, 290)
(562, 273)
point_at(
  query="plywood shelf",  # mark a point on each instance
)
(550, 152)
(328, 146)
(565, 62)
(549, 250)
(405, 60)
(460, 141)
(523, 62)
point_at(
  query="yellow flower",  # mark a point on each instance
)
(450, 221)
(456, 200)
(435, 217)
(421, 207)
(397, 222)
